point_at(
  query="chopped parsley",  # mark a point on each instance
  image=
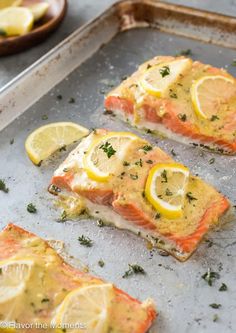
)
(214, 117)
(71, 100)
(3, 186)
(173, 152)
(164, 176)
(63, 216)
(190, 197)
(210, 277)
(108, 149)
(149, 161)
(100, 223)
(223, 287)
(149, 66)
(173, 95)
(125, 163)
(215, 317)
(157, 216)
(182, 117)
(86, 241)
(147, 148)
(164, 71)
(31, 208)
(168, 193)
(44, 117)
(45, 300)
(101, 263)
(215, 305)
(134, 269)
(134, 177)
(212, 160)
(140, 162)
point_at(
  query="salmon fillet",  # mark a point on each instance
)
(173, 114)
(122, 202)
(56, 279)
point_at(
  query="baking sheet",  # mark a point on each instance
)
(182, 296)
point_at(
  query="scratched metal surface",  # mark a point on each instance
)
(180, 293)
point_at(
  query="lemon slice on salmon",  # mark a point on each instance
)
(45, 140)
(165, 188)
(157, 79)
(15, 21)
(9, 3)
(13, 278)
(106, 154)
(39, 10)
(85, 309)
(210, 93)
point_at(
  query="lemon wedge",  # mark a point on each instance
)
(165, 188)
(106, 154)
(45, 140)
(9, 3)
(157, 79)
(16, 21)
(85, 310)
(39, 10)
(13, 278)
(209, 93)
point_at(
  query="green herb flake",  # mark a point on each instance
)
(31, 208)
(44, 117)
(215, 318)
(212, 160)
(101, 263)
(71, 100)
(63, 216)
(45, 300)
(168, 193)
(149, 66)
(190, 197)
(108, 149)
(215, 305)
(125, 163)
(164, 176)
(173, 95)
(186, 52)
(139, 163)
(134, 269)
(157, 216)
(214, 117)
(233, 62)
(100, 223)
(149, 162)
(3, 186)
(223, 287)
(12, 141)
(134, 177)
(210, 277)
(86, 241)
(182, 117)
(164, 71)
(147, 148)
(173, 153)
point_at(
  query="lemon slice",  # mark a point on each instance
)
(9, 3)
(39, 10)
(45, 140)
(106, 154)
(16, 21)
(85, 310)
(13, 278)
(209, 93)
(165, 188)
(157, 79)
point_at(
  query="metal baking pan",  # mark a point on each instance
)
(85, 66)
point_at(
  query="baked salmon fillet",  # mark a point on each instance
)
(182, 99)
(40, 290)
(123, 180)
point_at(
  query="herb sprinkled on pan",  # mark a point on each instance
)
(59, 97)
(149, 162)
(147, 148)
(44, 117)
(45, 300)
(71, 100)
(212, 160)
(190, 197)
(164, 71)
(134, 269)
(31, 208)
(139, 163)
(108, 149)
(173, 153)
(223, 287)
(215, 305)
(173, 95)
(186, 52)
(210, 277)
(233, 62)
(3, 186)
(182, 117)
(86, 241)
(63, 216)
(215, 317)
(101, 263)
